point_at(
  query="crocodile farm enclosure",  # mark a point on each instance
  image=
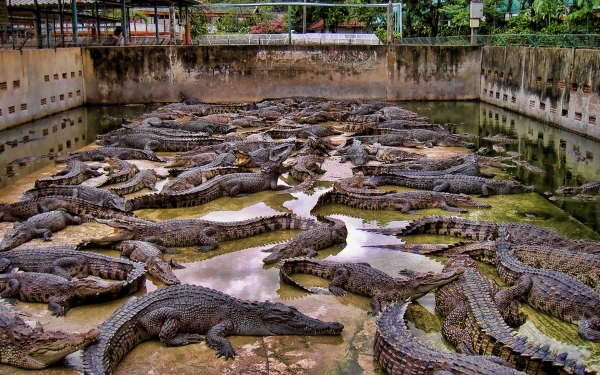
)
(299, 236)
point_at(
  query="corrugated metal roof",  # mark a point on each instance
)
(113, 3)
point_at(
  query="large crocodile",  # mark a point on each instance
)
(59, 293)
(145, 178)
(179, 314)
(234, 184)
(30, 346)
(75, 173)
(205, 234)
(69, 263)
(357, 184)
(476, 318)
(482, 231)
(361, 278)
(101, 153)
(592, 187)
(356, 153)
(400, 353)
(23, 210)
(552, 292)
(151, 255)
(406, 202)
(191, 177)
(40, 225)
(460, 184)
(305, 169)
(91, 194)
(330, 233)
(119, 171)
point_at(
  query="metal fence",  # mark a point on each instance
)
(282, 39)
(514, 40)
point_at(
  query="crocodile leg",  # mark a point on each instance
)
(76, 220)
(4, 263)
(174, 264)
(504, 297)
(339, 279)
(59, 267)
(485, 191)
(441, 185)
(12, 290)
(43, 232)
(59, 306)
(454, 331)
(165, 322)
(590, 329)
(444, 206)
(215, 338)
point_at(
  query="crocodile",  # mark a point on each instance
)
(69, 263)
(234, 184)
(357, 184)
(305, 170)
(153, 142)
(59, 293)
(500, 138)
(551, 292)
(91, 194)
(199, 127)
(257, 158)
(31, 347)
(196, 159)
(453, 184)
(430, 138)
(197, 232)
(396, 140)
(40, 225)
(125, 171)
(390, 154)
(356, 153)
(75, 173)
(361, 278)
(332, 232)
(101, 153)
(145, 178)
(188, 178)
(477, 319)
(469, 166)
(151, 255)
(587, 188)
(406, 202)
(179, 314)
(23, 210)
(318, 131)
(483, 231)
(399, 352)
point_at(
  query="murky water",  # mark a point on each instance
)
(236, 268)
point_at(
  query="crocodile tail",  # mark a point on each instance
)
(308, 183)
(324, 199)
(451, 226)
(416, 248)
(290, 266)
(158, 200)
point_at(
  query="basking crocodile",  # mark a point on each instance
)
(318, 131)
(196, 159)
(69, 263)
(390, 154)
(399, 352)
(189, 178)
(397, 140)
(476, 318)
(482, 231)
(361, 278)
(75, 173)
(179, 314)
(331, 232)
(198, 232)
(125, 171)
(154, 142)
(88, 193)
(59, 293)
(30, 346)
(40, 225)
(198, 127)
(256, 158)
(234, 184)
(101, 153)
(151, 255)
(407, 202)
(145, 178)
(552, 292)
(305, 170)
(466, 165)
(23, 210)
(430, 137)
(356, 153)
(458, 184)
(358, 185)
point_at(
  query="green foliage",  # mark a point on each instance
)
(198, 24)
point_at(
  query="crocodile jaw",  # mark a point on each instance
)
(429, 282)
(52, 347)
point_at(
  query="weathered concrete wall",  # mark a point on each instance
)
(558, 86)
(37, 83)
(251, 73)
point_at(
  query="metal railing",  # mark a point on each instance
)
(590, 41)
(283, 39)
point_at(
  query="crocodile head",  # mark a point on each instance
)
(92, 285)
(162, 271)
(424, 283)
(15, 237)
(35, 349)
(513, 187)
(279, 319)
(464, 200)
(5, 212)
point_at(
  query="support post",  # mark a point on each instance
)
(61, 19)
(304, 19)
(390, 20)
(38, 25)
(156, 19)
(289, 24)
(97, 21)
(124, 19)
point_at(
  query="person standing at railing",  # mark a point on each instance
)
(118, 36)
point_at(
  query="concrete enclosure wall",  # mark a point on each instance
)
(555, 85)
(250, 73)
(558, 86)
(38, 83)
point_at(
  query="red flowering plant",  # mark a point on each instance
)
(269, 27)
